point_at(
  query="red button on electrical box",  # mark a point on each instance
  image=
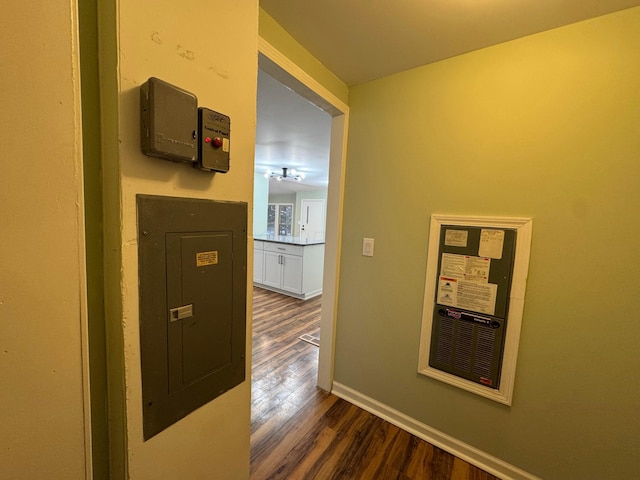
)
(207, 140)
(217, 142)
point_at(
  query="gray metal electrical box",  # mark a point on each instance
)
(168, 121)
(215, 141)
(192, 257)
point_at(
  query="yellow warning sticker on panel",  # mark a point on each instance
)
(206, 258)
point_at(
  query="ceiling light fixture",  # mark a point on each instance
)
(290, 174)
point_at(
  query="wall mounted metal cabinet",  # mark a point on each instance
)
(474, 301)
(192, 277)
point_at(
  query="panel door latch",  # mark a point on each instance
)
(180, 313)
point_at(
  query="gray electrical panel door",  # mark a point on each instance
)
(199, 342)
(192, 276)
(475, 269)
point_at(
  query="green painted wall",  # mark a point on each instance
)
(547, 126)
(273, 33)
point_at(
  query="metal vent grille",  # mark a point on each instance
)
(445, 341)
(484, 351)
(463, 347)
(467, 345)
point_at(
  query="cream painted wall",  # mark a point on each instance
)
(208, 48)
(42, 273)
(547, 126)
(272, 32)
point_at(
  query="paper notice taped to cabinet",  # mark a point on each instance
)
(447, 291)
(491, 243)
(465, 267)
(477, 297)
(456, 238)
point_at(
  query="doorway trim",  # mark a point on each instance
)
(280, 67)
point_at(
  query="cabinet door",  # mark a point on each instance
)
(272, 269)
(291, 273)
(258, 265)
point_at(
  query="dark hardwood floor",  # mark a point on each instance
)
(300, 432)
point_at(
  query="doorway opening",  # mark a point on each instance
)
(278, 67)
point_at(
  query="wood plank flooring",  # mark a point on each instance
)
(300, 432)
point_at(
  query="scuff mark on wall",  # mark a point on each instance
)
(184, 53)
(155, 38)
(221, 73)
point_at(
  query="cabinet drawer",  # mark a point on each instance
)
(283, 248)
(258, 245)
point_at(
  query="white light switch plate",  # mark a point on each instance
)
(367, 247)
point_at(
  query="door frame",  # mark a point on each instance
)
(280, 67)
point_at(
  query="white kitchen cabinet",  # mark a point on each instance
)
(294, 270)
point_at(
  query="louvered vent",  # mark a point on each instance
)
(463, 347)
(445, 341)
(484, 351)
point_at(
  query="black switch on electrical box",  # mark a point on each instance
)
(214, 141)
(168, 121)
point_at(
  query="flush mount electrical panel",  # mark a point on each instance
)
(168, 121)
(214, 140)
(474, 302)
(192, 258)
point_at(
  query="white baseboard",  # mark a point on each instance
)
(466, 452)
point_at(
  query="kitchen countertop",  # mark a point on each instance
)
(288, 240)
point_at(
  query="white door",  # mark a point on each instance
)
(312, 213)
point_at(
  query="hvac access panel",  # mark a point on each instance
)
(474, 274)
(192, 276)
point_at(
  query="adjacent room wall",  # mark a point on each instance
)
(260, 203)
(44, 430)
(547, 126)
(208, 48)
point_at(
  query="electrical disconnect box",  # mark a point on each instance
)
(192, 257)
(168, 121)
(174, 128)
(214, 143)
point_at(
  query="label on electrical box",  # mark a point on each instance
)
(206, 258)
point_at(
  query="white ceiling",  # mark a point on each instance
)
(291, 132)
(362, 40)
